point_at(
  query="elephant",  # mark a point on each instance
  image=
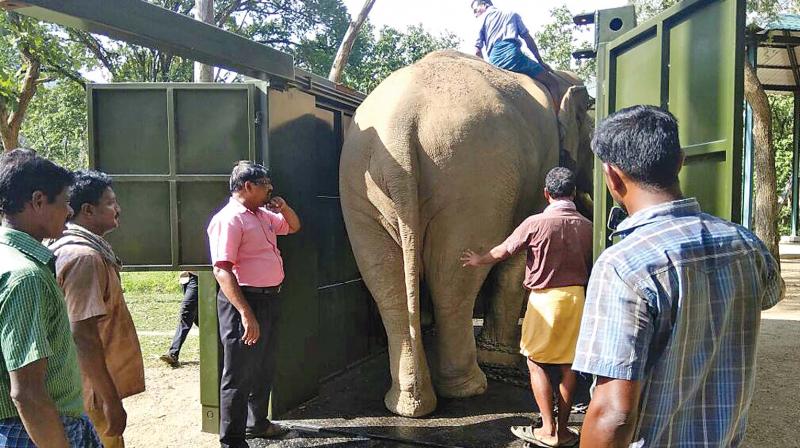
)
(446, 154)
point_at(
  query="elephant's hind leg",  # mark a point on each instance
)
(453, 291)
(380, 260)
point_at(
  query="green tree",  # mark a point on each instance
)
(391, 51)
(56, 124)
(557, 41)
(30, 55)
(307, 29)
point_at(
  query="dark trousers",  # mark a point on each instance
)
(188, 316)
(247, 370)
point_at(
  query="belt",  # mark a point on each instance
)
(270, 290)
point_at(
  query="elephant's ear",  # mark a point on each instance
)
(574, 121)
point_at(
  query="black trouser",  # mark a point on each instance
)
(247, 370)
(188, 316)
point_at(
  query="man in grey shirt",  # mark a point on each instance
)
(500, 32)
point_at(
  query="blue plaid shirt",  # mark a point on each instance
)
(676, 304)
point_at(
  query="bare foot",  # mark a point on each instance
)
(548, 437)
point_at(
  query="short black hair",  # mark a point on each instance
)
(560, 182)
(643, 142)
(22, 173)
(481, 2)
(245, 171)
(89, 188)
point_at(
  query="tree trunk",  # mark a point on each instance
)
(340, 61)
(205, 13)
(11, 122)
(765, 220)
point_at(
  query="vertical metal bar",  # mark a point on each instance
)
(90, 127)
(172, 137)
(172, 144)
(175, 247)
(251, 123)
(602, 201)
(209, 351)
(747, 174)
(795, 161)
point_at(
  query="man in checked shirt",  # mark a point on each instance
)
(673, 310)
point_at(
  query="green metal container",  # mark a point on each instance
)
(171, 147)
(688, 59)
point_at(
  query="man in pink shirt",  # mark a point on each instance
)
(249, 269)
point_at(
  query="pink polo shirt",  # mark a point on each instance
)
(249, 241)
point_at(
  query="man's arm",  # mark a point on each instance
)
(496, 255)
(611, 418)
(35, 407)
(223, 271)
(93, 364)
(535, 50)
(279, 205)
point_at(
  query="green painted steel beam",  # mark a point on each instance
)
(142, 23)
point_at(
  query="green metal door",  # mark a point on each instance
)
(689, 60)
(170, 148)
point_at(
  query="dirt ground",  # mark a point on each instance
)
(168, 413)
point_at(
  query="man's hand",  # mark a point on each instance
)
(39, 415)
(470, 258)
(251, 329)
(277, 205)
(116, 417)
(92, 361)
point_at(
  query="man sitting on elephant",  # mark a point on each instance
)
(559, 246)
(500, 33)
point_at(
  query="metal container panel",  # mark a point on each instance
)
(129, 134)
(170, 148)
(213, 129)
(292, 143)
(688, 59)
(197, 203)
(143, 237)
(344, 320)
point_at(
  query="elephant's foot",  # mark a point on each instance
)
(410, 404)
(469, 385)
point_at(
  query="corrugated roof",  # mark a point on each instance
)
(789, 22)
(779, 53)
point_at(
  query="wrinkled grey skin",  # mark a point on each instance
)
(447, 154)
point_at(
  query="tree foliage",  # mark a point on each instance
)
(52, 60)
(557, 41)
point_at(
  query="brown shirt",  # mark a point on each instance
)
(92, 288)
(559, 243)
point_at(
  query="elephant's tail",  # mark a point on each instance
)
(404, 190)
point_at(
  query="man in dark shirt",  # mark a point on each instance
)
(559, 245)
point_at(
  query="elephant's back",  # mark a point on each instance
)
(463, 120)
(450, 96)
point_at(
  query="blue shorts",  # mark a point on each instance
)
(508, 55)
(80, 433)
